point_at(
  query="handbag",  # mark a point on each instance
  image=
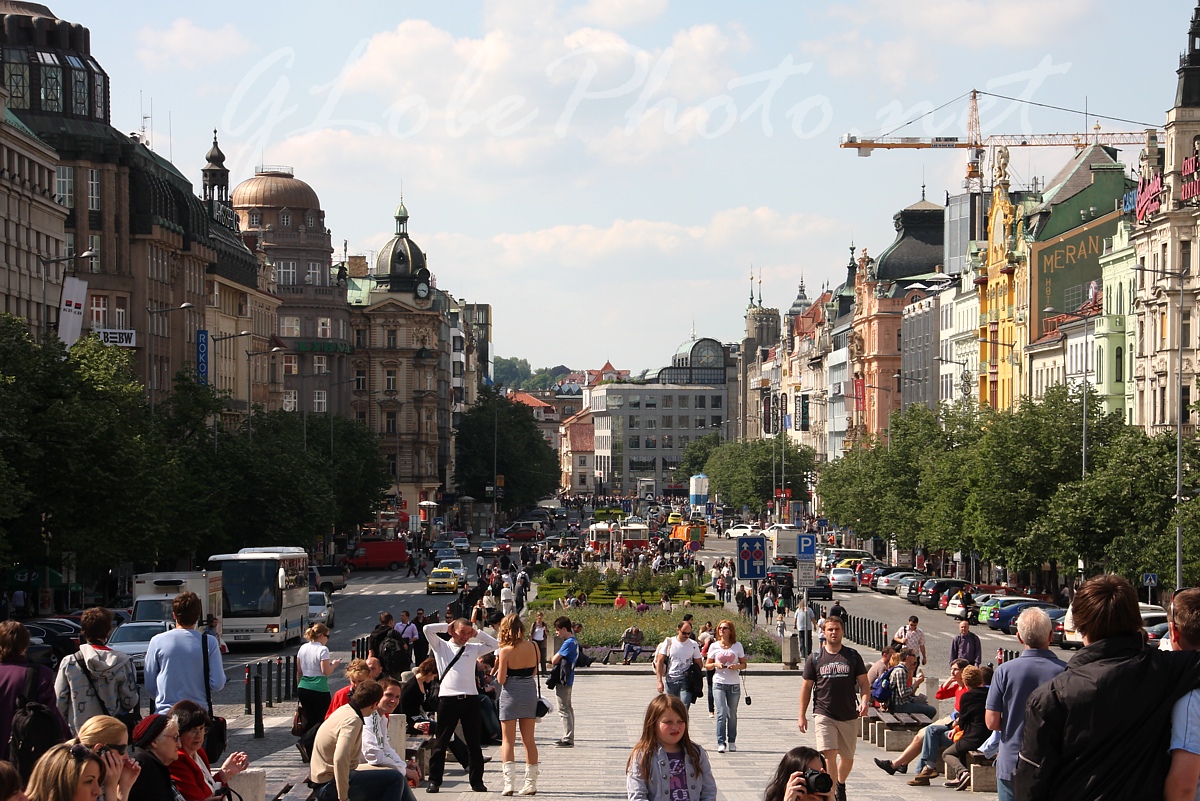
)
(130, 718)
(299, 722)
(745, 692)
(693, 680)
(217, 736)
(543, 707)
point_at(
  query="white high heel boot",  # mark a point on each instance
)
(531, 776)
(510, 777)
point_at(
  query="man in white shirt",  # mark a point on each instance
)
(378, 734)
(672, 659)
(806, 624)
(458, 697)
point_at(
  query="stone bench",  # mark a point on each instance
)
(295, 788)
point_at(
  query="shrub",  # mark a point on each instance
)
(553, 575)
(588, 579)
(612, 581)
(642, 582)
(668, 586)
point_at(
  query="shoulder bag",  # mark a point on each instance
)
(694, 680)
(216, 738)
(543, 706)
(130, 718)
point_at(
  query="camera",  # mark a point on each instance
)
(817, 781)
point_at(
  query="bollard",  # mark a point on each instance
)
(259, 731)
(290, 667)
(267, 696)
(353, 650)
(885, 636)
(247, 689)
(279, 676)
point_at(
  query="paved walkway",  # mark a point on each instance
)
(609, 710)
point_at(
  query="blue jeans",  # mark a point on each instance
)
(369, 785)
(680, 691)
(936, 740)
(727, 697)
(915, 708)
(1004, 790)
(632, 652)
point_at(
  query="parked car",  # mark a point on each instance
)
(1151, 616)
(890, 584)
(494, 547)
(985, 610)
(1001, 618)
(842, 578)
(911, 588)
(320, 608)
(821, 590)
(62, 642)
(441, 579)
(955, 608)
(1156, 633)
(462, 545)
(134, 639)
(327, 578)
(933, 588)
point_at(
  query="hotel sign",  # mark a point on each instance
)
(1149, 196)
(1190, 190)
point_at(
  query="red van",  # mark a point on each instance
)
(378, 554)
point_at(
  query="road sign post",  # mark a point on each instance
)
(751, 558)
(1149, 581)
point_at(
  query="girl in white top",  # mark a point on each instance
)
(313, 666)
(727, 659)
(537, 633)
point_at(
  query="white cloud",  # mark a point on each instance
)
(187, 45)
(620, 13)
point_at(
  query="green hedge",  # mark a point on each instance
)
(547, 593)
(603, 627)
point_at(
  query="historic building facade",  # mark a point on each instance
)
(281, 215)
(401, 365)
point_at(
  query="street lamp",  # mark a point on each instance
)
(965, 378)
(1050, 310)
(250, 387)
(152, 383)
(87, 254)
(1178, 427)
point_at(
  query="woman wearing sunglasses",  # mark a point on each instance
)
(109, 738)
(67, 773)
(726, 658)
(193, 776)
(155, 747)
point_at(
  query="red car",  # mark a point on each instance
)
(523, 534)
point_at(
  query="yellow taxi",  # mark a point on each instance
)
(441, 579)
(674, 519)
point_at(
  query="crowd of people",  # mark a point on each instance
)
(79, 734)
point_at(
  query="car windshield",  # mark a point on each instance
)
(442, 572)
(134, 633)
(452, 564)
(316, 599)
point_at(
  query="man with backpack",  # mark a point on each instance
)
(29, 716)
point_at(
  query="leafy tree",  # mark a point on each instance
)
(695, 456)
(497, 431)
(745, 473)
(511, 373)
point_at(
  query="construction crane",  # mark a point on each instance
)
(975, 144)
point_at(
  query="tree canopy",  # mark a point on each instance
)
(500, 437)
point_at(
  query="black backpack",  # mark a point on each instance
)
(35, 728)
(390, 651)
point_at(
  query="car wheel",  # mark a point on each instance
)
(394, 566)
(55, 658)
(330, 624)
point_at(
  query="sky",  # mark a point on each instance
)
(607, 174)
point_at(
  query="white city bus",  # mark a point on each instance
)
(264, 594)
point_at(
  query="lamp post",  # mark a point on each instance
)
(1178, 426)
(216, 420)
(250, 386)
(1050, 310)
(152, 383)
(44, 262)
(965, 377)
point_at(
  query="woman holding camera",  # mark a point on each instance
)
(109, 738)
(801, 774)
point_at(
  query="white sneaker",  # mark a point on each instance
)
(732, 747)
(720, 749)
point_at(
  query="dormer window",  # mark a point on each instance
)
(255, 219)
(310, 220)
(285, 219)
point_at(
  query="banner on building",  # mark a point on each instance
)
(766, 413)
(70, 311)
(121, 337)
(202, 357)
(860, 394)
(804, 421)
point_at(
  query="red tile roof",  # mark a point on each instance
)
(529, 400)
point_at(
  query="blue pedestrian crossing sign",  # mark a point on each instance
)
(751, 558)
(1149, 579)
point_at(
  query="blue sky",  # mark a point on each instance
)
(605, 173)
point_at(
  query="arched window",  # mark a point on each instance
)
(1119, 365)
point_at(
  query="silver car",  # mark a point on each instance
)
(134, 639)
(842, 578)
(320, 608)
